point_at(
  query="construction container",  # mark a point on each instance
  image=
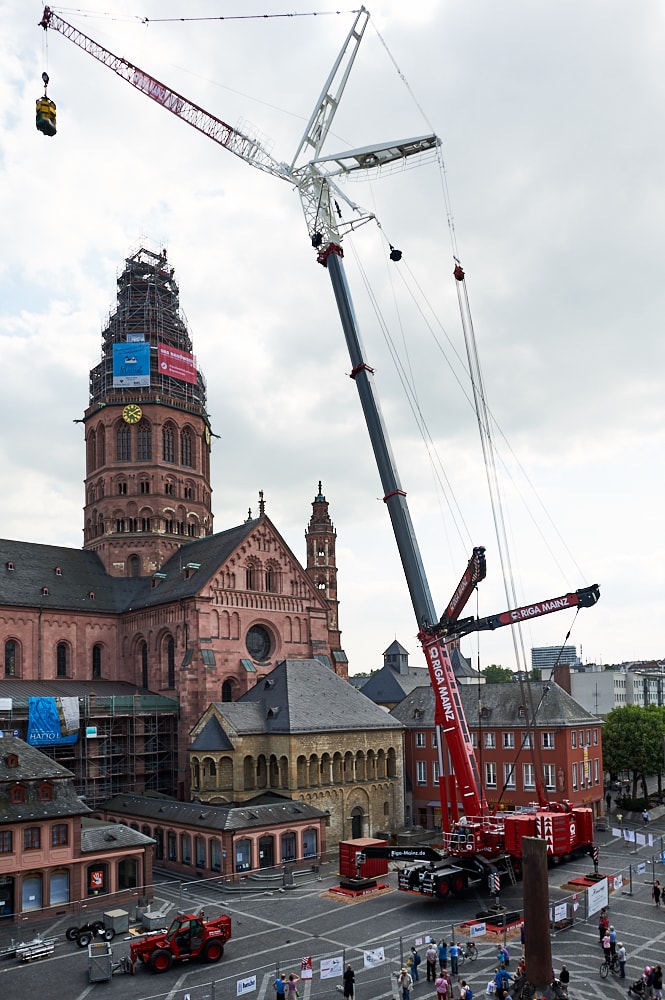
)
(100, 962)
(370, 868)
(118, 920)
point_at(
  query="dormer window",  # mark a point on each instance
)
(10, 566)
(45, 791)
(91, 595)
(11, 760)
(17, 794)
(44, 591)
(58, 571)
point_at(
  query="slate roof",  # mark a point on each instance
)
(104, 692)
(82, 573)
(388, 686)
(98, 836)
(212, 737)
(302, 696)
(33, 768)
(211, 817)
(555, 707)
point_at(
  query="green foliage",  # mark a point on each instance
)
(633, 741)
(497, 675)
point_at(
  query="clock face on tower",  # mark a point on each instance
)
(132, 413)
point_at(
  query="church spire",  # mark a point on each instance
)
(320, 539)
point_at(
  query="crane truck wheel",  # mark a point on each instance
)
(442, 888)
(84, 939)
(72, 933)
(161, 960)
(457, 883)
(213, 951)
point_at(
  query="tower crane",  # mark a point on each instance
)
(475, 834)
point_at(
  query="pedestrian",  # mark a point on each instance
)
(564, 977)
(415, 962)
(431, 957)
(606, 947)
(645, 816)
(608, 802)
(613, 941)
(655, 892)
(441, 987)
(603, 924)
(504, 956)
(658, 982)
(292, 986)
(621, 955)
(465, 991)
(349, 979)
(522, 937)
(443, 955)
(405, 983)
(279, 987)
(453, 952)
(620, 818)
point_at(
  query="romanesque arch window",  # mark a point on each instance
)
(348, 766)
(144, 441)
(123, 443)
(61, 659)
(170, 662)
(134, 566)
(262, 771)
(273, 772)
(168, 439)
(11, 658)
(186, 450)
(360, 766)
(252, 574)
(301, 772)
(326, 769)
(92, 451)
(273, 582)
(101, 447)
(215, 855)
(248, 773)
(96, 661)
(227, 690)
(310, 843)
(225, 770)
(143, 657)
(391, 764)
(337, 768)
(313, 771)
(196, 774)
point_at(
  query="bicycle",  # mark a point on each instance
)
(610, 965)
(467, 951)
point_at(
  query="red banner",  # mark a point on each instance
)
(176, 364)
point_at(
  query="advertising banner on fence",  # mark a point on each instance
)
(306, 967)
(598, 896)
(477, 930)
(376, 956)
(246, 985)
(332, 968)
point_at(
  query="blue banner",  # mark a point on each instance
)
(44, 724)
(131, 364)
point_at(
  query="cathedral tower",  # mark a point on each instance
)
(147, 484)
(320, 539)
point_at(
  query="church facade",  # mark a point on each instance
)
(156, 600)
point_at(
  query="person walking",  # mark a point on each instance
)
(349, 981)
(656, 892)
(431, 957)
(645, 817)
(405, 983)
(658, 982)
(621, 955)
(453, 952)
(613, 941)
(441, 986)
(415, 961)
(443, 955)
(606, 947)
(603, 924)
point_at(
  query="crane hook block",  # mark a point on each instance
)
(458, 273)
(46, 115)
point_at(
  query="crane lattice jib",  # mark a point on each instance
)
(449, 717)
(237, 142)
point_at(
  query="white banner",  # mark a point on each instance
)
(5, 704)
(332, 968)
(247, 985)
(376, 956)
(598, 896)
(477, 930)
(306, 967)
(618, 881)
(641, 868)
(560, 912)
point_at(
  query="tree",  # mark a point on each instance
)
(497, 675)
(633, 741)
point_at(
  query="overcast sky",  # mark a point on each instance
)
(551, 118)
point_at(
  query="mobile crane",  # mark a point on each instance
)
(476, 840)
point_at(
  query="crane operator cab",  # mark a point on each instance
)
(45, 111)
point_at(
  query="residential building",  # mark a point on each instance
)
(562, 754)
(52, 852)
